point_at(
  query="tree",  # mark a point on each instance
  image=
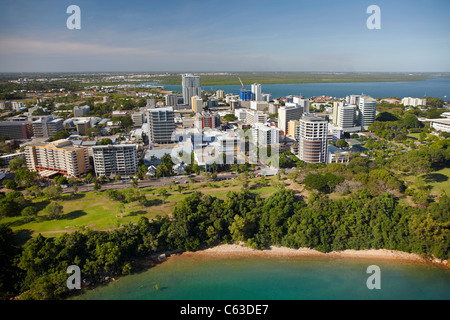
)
(10, 184)
(29, 212)
(16, 163)
(53, 192)
(97, 185)
(163, 193)
(54, 210)
(315, 181)
(93, 132)
(230, 117)
(25, 178)
(104, 142)
(341, 143)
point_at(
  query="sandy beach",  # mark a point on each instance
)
(240, 250)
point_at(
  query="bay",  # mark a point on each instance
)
(270, 278)
(437, 88)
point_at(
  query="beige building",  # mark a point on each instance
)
(60, 156)
(197, 104)
(292, 128)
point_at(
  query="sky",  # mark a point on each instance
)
(212, 35)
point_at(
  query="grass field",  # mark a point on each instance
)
(96, 211)
(439, 180)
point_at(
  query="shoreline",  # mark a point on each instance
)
(242, 251)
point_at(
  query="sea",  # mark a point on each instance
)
(437, 88)
(275, 278)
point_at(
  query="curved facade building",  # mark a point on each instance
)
(313, 139)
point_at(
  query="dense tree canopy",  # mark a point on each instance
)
(361, 221)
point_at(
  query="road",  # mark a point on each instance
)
(117, 185)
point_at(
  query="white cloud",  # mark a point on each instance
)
(12, 46)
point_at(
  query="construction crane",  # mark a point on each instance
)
(241, 83)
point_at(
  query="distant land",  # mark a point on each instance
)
(305, 77)
(229, 78)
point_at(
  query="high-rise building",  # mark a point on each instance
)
(161, 122)
(191, 87)
(16, 129)
(344, 116)
(173, 100)
(367, 111)
(81, 111)
(254, 117)
(47, 126)
(313, 139)
(292, 128)
(264, 135)
(138, 119)
(111, 160)
(60, 156)
(196, 104)
(285, 114)
(353, 99)
(83, 126)
(245, 95)
(220, 94)
(207, 120)
(301, 102)
(256, 92)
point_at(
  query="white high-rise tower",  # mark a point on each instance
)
(191, 88)
(256, 92)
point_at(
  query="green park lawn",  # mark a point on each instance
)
(439, 180)
(96, 211)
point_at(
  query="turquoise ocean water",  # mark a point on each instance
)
(270, 278)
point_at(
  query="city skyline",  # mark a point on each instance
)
(229, 36)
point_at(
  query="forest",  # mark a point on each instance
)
(358, 221)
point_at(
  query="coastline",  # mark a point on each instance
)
(242, 251)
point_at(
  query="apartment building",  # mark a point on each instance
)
(111, 160)
(313, 139)
(264, 135)
(161, 122)
(191, 87)
(47, 127)
(138, 119)
(81, 111)
(254, 117)
(60, 156)
(196, 104)
(414, 102)
(367, 111)
(344, 116)
(20, 130)
(207, 120)
(285, 114)
(293, 128)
